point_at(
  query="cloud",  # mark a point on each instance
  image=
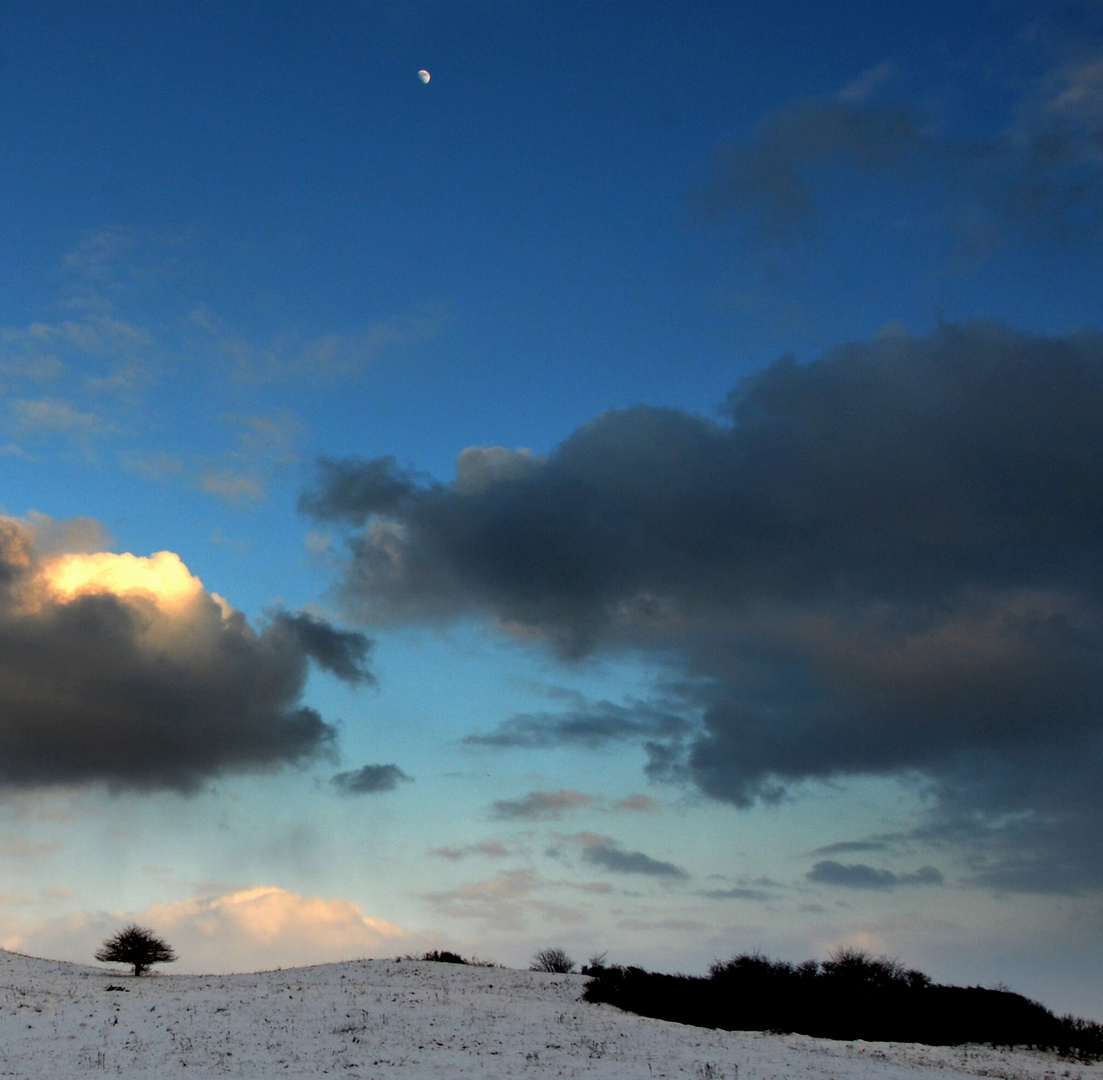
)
(592, 726)
(288, 357)
(503, 902)
(757, 895)
(607, 853)
(491, 849)
(860, 876)
(157, 466)
(343, 653)
(124, 670)
(54, 416)
(637, 804)
(267, 438)
(540, 805)
(277, 927)
(369, 780)
(846, 847)
(252, 929)
(354, 490)
(1038, 176)
(884, 562)
(233, 486)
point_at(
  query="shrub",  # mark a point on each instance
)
(443, 956)
(552, 959)
(595, 964)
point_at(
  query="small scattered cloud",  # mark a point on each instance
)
(608, 854)
(861, 876)
(541, 805)
(153, 466)
(593, 726)
(848, 847)
(271, 438)
(757, 895)
(370, 780)
(637, 804)
(55, 416)
(503, 902)
(232, 486)
(490, 849)
(869, 82)
(18, 847)
(290, 357)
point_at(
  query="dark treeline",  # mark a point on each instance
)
(850, 996)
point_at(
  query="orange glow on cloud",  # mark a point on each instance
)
(267, 926)
(162, 578)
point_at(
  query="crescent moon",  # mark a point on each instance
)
(423, 75)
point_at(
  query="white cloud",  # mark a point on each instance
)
(55, 416)
(232, 486)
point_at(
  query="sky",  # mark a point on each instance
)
(639, 491)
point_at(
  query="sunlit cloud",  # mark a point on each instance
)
(125, 670)
(245, 930)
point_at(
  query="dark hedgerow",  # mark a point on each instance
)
(443, 956)
(850, 996)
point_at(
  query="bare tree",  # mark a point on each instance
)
(138, 946)
(552, 959)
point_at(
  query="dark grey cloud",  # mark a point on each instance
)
(118, 687)
(369, 780)
(593, 726)
(344, 653)
(540, 805)
(758, 895)
(888, 561)
(352, 490)
(607, 853)
(860, 876)
(772, 181)
(849, 847)
(1040, 175)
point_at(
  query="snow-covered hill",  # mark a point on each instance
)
(416, 1021)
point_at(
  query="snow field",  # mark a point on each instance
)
(415, 1021)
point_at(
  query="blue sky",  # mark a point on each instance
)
(637, 491)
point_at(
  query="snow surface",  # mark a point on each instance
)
(414, 1020)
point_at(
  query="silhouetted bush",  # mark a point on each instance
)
(851, 996)
(552, 959)
(595, 964)
(443, 956)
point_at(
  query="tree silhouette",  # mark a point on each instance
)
(554, 960)
(138, 946)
